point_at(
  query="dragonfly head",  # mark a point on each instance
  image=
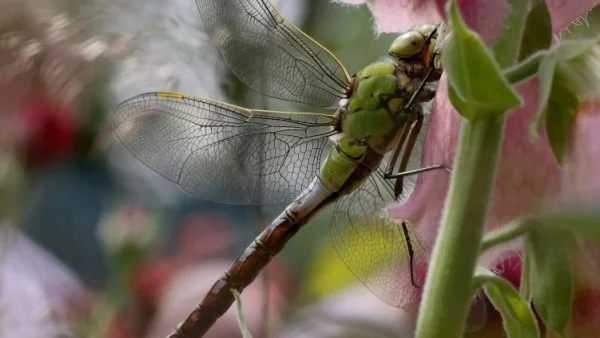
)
(414, 44)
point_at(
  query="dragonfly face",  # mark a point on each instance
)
(376, 108)
(415, 51)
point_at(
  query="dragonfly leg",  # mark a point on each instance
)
(397, 148)
(417, 171)
(406, 128)
(411, 255)
(412, 139)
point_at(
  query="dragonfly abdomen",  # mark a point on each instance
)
(246, 267)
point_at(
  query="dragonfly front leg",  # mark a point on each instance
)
(412, 138)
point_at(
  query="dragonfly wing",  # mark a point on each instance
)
(222, 152)
(374, 246)
(271, 55)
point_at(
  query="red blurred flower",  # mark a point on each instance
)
(48, 131)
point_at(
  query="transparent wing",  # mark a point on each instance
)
(375, 247)
(221, 152)
(271, 55)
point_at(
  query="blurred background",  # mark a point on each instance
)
(95, 244)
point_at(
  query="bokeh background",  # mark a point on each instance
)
(95, 244)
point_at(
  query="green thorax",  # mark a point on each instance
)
(369, 122)
(375, 110)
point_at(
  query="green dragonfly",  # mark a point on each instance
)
(346, 155)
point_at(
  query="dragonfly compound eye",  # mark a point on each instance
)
(425, 29)
(407, 45)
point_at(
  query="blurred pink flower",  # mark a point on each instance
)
(528, 177)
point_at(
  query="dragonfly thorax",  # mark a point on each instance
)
(375, 109)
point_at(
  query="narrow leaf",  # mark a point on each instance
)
(538, 30)
(242, 322)
(546, 77)
(568, 73)
(472, 72)
(507, 45)
(560, 116)
(550, 276)
(583, 220)
(517, 316)
(571, 49)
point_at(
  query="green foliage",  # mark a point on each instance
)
(505, 48)
(466, 61)
(550, 276)
(546, 273)
(518, 318)
(538, 30)
(560, 116)
(564, 75)
(479, 91)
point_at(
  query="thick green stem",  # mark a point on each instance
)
(448, 288)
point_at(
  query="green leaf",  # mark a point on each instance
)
(550, 276)
(472, 72)
(538, 30)
(566, 73)
(560, 116)
(517, 316)
(506, 46)
(563, 52)
(570, 49)
(242, 322)
(460, 105)
(525, 282)
(546, 77)
(583, 220)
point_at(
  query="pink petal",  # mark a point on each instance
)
(582, 162)
(563, 12)
(484, 16)
(527, 173)
(528, 177)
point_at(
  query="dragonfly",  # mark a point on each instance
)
(345, 153)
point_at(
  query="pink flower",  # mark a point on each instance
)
(528, 177)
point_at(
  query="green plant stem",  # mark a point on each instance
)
(448, 289)
(525, 69)
(505, 233)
